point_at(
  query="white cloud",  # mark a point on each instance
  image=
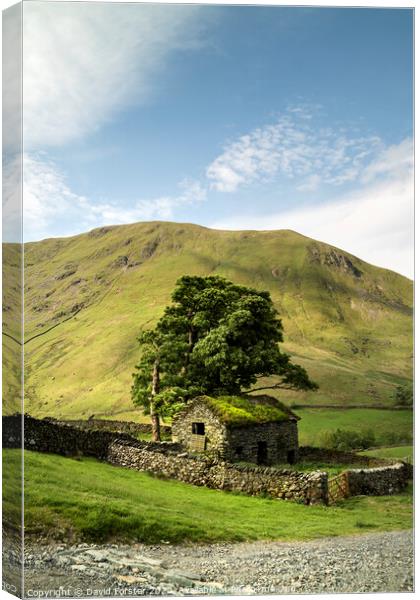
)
(374, 222)
(295, 146)
(51, 208)
(85, 61)
(163, 207)
(48, 200)
(393, 161)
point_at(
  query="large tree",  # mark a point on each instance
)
(215, 338)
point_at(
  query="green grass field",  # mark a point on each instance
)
(402, 452)
(390, 427)
(88, 500)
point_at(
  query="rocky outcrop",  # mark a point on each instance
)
(334, 258)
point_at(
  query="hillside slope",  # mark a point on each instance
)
(87, 297)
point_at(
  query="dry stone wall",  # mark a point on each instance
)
(44, 435)
(330, 456)
(379, 481)
(170, 460)
(129, 427)
(164, 459)
(308, 488)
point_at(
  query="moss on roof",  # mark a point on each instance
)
(244, 410)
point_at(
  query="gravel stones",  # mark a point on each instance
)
(380, 562)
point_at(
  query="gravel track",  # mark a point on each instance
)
(379, 562)
(369, 563)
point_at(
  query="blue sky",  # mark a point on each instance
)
(229, 117)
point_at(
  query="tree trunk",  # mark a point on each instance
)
(155, 424)
(191, 344)
(153, 414)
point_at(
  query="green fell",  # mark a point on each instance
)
(87, 297)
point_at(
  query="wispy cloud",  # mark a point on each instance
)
(46, 195)
(394, 161)
(297, 147)
(85, 61)
(52, 208)
(82, 63)
(163, 207)
(374, 222)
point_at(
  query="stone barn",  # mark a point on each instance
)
(257, 429)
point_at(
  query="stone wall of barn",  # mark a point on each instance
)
(265, 443)
(268, 443)
(215, 433)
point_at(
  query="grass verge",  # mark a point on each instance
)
(88, 500)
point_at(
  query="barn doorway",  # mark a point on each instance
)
(262, 453)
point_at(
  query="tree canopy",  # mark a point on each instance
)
(215, 338)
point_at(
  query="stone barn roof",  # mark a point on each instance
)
(239, 411)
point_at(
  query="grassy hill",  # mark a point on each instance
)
(87, 297)
(12, 326)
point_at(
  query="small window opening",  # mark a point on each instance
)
(239, 450)
(291, 457)
(198, 428)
